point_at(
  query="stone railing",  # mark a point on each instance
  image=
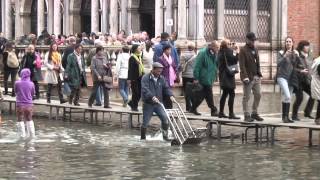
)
(111, 51)
(266, 52)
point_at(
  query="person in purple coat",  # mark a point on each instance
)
(24, 92)
(169, 72)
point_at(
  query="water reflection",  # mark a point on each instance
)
(82, 151)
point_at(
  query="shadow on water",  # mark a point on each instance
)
(81, 151)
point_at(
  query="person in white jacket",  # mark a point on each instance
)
(54, 72)
(121, 74)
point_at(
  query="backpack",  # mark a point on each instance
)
(38, 61)
(12, 60)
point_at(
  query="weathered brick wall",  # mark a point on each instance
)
(304, 22)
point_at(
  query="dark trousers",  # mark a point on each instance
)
(318, 110)
(186, 97)
(75, 95)
(167, 102)
(59, 88)
(299, 98)
(96, 86)
(136, 93)
(13, 74)
(208, 96)
(225, 93)
(36, 87)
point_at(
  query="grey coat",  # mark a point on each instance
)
(150, 88)
(98, 67)
(188, 61)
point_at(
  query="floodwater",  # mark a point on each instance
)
(83, 151)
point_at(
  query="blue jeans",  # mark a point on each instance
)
(148, 110)
(286, 90)
(124, 89)
(99, 96)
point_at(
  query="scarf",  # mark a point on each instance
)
(137, 57)
(56, 58)
(172, 73)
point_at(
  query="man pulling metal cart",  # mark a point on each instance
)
(153, 88)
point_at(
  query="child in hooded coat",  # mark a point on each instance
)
(25, 90)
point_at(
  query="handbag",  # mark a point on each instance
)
(107, 79)
(66, 89)
(231, 69)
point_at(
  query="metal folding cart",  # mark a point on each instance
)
(180, 126)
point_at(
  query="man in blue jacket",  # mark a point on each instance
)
(158, 49)
(153, 88)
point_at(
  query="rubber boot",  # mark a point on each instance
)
(285, 113)
(30, 129)
(143, 133)
(165, 127)
(21, 129)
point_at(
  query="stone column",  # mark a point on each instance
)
(284, 19)
(158, 17)
(95, 16)
(182, 19)
(18, 30)
(220, 19)
(168, 15)
(274, 23)
(113, 17)
(105, 21)
(66, 21)
(124, 15)
(253, 16)
(2, 15)
(40, 16)
(196, 22)
(50, 16)
(56, 17)
(8, 19)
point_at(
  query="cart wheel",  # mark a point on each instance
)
(175, 142)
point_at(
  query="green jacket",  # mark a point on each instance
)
(205, 70)
(73, 74)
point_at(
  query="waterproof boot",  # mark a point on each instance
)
(30, 129)
(285, 113)
(222, 115)
(317, 121)
(21, 129)
(247, 118)
(61, 97)
(165, 128)
(214, 111)
(143, 133)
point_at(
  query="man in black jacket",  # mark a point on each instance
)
(153, 88)
(69, 50)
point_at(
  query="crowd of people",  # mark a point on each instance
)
(152, 67)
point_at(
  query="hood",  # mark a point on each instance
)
(25, 74)
(189, 54)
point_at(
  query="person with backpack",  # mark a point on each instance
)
(11, 67)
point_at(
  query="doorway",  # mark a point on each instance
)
(147, 17)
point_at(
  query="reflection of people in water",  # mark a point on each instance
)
(24, 93)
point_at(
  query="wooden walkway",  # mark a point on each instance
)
(269, 126)
(69, 110)
(263, 131)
